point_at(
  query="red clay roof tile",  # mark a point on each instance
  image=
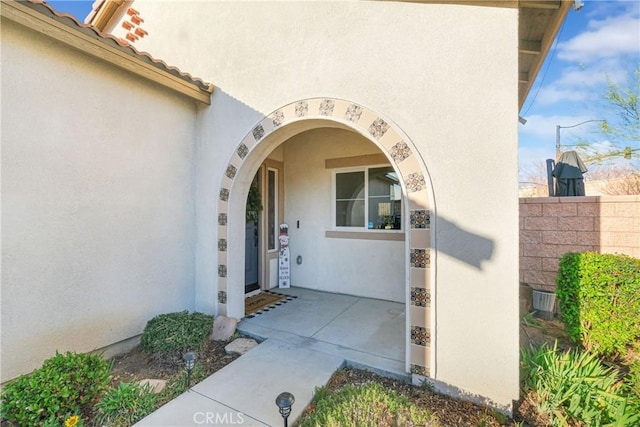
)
(70, 21)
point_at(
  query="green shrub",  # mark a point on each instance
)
(177, 384)
(176, 332)
(574, 385)
(125, 405)
(365, 405)
(66, 384)
(599, 297)
(633, 381)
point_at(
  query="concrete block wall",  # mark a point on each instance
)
(553, 226)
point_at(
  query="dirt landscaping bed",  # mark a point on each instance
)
(136, 365)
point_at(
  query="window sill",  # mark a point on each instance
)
(396, 235)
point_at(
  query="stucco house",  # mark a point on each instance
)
(384, 134)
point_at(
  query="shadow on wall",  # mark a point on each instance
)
(463, 245)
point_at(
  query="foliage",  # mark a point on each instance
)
(620, 104)
(66, 385)
(177, 384)
(365, 405)
(625, 101)
(633, 380)
(576, 386)
(125, 404)
(529, 319)
(176, 332)
(599, 296)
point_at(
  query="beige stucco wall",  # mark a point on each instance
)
(446, 75)
(97, 201)
(371, 268)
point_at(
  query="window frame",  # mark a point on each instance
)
(365, 228)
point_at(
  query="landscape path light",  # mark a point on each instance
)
(285, 402)
(189, 361)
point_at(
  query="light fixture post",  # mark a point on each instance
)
(558, 127)
(189, 361)
(558, 142)
(285, 401)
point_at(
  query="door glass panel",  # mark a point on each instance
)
(272, 201)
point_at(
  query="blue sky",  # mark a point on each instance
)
(78, 8)
(600, 41)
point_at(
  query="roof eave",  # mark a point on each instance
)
(94, 46)
(550, 35)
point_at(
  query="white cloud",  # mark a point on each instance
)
(553, 94)
(608, 49)
(582, 84)
(595, 74)
(601, 57)
(606, 38)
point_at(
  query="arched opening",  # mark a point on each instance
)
(393, 216)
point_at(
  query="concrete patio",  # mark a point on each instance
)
(305, 341)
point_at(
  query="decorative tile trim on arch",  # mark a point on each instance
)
(277, 118)
(242, 151)
(403, 154)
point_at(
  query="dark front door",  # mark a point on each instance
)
(252, 240)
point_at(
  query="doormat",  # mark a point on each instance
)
(263, 302)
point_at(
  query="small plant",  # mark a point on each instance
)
(530, 320)
(599, 296)
(176, 333)
(574, 385)
(125, 405)
(632, 381)
(177, 384)
(365, 405)
(66, 385)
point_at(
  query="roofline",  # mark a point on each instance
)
(489, 3)
(104, 48)
(547, 41)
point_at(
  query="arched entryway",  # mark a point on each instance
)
(314, 113)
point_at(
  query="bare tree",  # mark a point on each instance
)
(615, 181)
(535, 183)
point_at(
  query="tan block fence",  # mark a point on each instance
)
(553, 226)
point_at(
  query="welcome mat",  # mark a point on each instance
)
(264, 301)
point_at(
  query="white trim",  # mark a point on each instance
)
(276, 202)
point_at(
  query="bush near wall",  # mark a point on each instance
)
(174, 333)
(599, 296)
(66, 385)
